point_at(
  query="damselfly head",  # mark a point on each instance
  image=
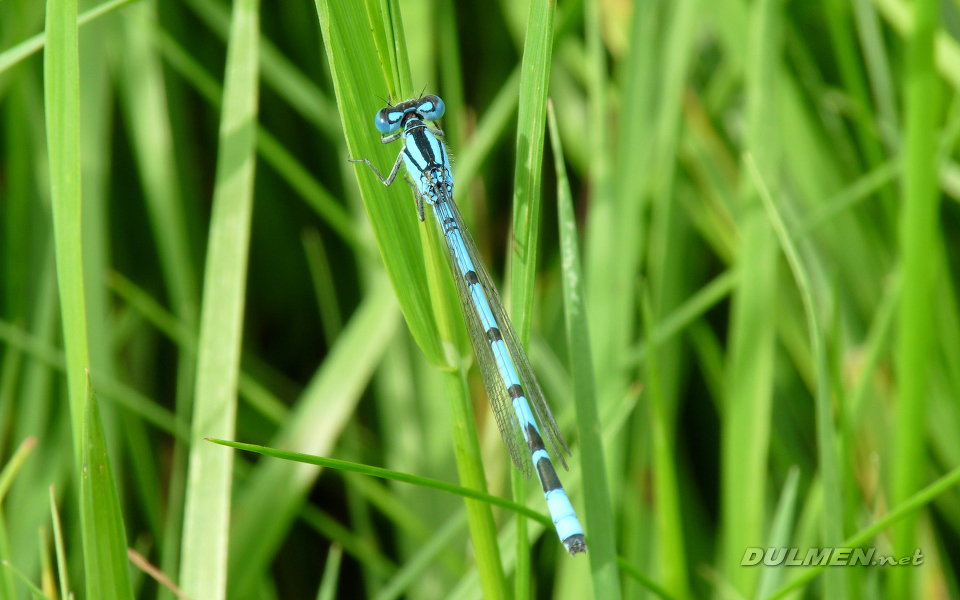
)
(390, 119)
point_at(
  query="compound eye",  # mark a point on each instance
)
(388, 120)
(431, 108)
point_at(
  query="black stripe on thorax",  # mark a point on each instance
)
(412, 159)
(419, 135)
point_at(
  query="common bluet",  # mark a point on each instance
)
(504, 367)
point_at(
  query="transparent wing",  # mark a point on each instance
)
(496, 390)
(488, 368)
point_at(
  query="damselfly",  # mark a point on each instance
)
(506, 372)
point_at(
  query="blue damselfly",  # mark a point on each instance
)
(507, 375)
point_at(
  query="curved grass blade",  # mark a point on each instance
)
(832, 528)
(343, 465)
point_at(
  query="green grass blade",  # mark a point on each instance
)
(451, 73)
(207, 510)
(416, 267)
(598, 507)
(745, 432)
(488, 131)
(34, 590)
(354, 545)
(331, 574)
(531, 128)
(148, 116)
(63, 572)
(7, 583)
(10, 471)
(61, 68)
(322, 277)
(12, 467)
(921, 260)
(878, 71)
(672, 562)
(527, 181)
(358, 80)
(780, 531)
(332, 463)
(832, 519)
(104, 537)
(643, 580)
(685, 314)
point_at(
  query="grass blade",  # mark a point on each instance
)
(596, 491)
(358, 79)
(531, 127)
(62, 571)
(780, 531)
(832, 520)
(332, 463)
(921, 260)
(750, 356)
(159, 576)
(61, 69)
(12, 467)
(203, 565)
(104, 537)
(37, 592)
(331, 573)
(407, 576)
(10, 471)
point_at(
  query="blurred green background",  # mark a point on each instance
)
(765, 194)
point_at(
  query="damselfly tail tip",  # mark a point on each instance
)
(575, 544)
